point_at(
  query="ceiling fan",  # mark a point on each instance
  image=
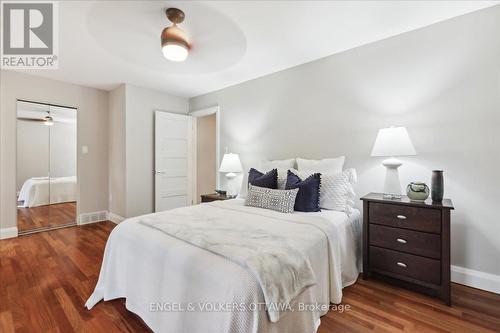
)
(174, 41)
(47, 120)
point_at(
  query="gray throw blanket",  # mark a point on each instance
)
(268, 247)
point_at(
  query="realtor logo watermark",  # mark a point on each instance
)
(30, 35)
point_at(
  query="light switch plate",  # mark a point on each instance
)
(85, 149)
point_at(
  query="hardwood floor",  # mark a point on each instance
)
(378, 307)
(45, 216)
(45, 279)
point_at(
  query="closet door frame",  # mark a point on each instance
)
(77, 219)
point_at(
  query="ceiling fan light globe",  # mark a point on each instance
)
(48, 121)
(175, 51)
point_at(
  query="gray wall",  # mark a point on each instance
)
(117, 141)
(92, 122)
(131, 146)
(442, 82)
(140, 104)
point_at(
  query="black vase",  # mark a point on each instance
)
(437, 186)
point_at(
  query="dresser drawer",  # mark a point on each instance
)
(414, 242)
(405, 266)
(399, 216)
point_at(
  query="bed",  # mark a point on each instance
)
(39, 191)
(175, 286)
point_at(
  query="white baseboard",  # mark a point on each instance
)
(93, 217)
(115, 218)
(6, 233)
(475, 279)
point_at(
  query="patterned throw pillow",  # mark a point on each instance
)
(308, 195)
(268, 180)
(278, 200)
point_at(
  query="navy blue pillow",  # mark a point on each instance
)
(268, 180)
(307, 199)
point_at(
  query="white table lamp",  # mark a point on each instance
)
(231, 165)
(391, 142)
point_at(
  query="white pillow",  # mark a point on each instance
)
(336, 190)
(277, 164)
(329, 165)
(282, 166)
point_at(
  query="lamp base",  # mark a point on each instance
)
(232, 186)
(392, 185)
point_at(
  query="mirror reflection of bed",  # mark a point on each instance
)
(46, 181)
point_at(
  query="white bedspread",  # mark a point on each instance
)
(39, 191)
(177, 287)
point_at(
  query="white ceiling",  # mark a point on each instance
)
(106, 43)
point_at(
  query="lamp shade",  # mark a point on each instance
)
(393, 141)
(230, 163)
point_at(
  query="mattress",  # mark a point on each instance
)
(177, 287)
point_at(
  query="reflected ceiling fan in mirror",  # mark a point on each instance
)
(174, 41)
(47, 120)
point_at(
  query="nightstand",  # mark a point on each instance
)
(213, 197)
(407, 243)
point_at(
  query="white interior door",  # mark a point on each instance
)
(173, 160)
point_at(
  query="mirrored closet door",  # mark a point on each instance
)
(46, 184)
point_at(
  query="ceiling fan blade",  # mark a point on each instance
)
(31, 119)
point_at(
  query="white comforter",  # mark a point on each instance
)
(39, 191)
(177, 287)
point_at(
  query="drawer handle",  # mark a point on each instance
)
(401, 240)
(401, 217)
(401, 264)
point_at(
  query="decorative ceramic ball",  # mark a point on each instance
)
(417, 191)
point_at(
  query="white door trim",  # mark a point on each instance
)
(202, 113)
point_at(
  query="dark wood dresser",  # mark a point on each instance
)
(407, 243)
(213, 197)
